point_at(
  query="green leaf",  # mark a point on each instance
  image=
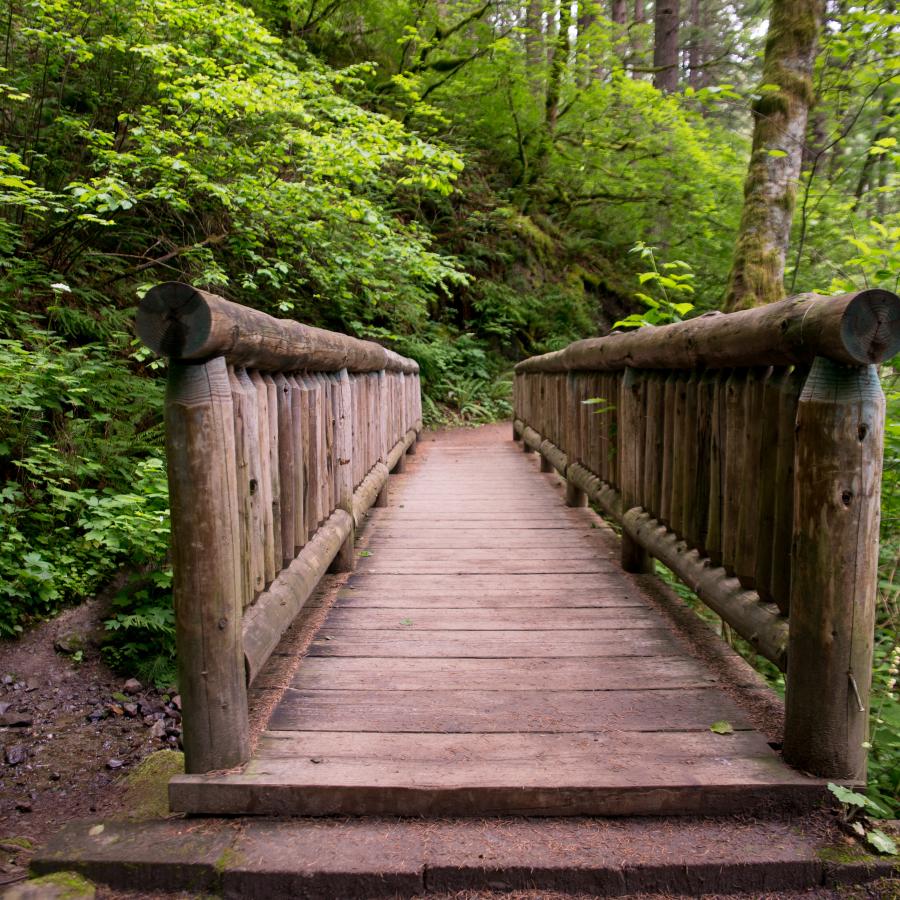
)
(364, 553)
(722, 727)
(881, 842)
(406, 621)
(845, 795)
(776, 153)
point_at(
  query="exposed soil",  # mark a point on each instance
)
(66, 739)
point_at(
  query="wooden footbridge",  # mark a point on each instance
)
(489, 654)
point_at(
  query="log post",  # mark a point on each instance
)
(634, 557)
(343, 561)
(838, 459)
(206, 550)
(575, 496)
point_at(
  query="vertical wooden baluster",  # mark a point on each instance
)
(839, 448)
(615, 389)
(256, 479)
(679, 430)
(575, 496)
(689, 445)
(608, 436)
(322, 426)
(765, 522)
(298, 421)
(748, 518)
(311, 453)
(343, 434)
(265, 476)
(653, 438)
(274, 466)
(706, 389)
(326, 463)
(375, 394)
(383, 440)
(285, 467)
(634, 557)
(206, 565)
(306, 432)
(639, 426)
(734, 466)
(668, 429)
(717, 455)
(242, 468)
(788, 401)
(362, 444)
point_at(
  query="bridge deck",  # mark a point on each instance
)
(490, 656)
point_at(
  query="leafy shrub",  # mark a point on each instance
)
(74, 425)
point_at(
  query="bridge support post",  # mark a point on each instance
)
(546, 465)
(206, 558)
(838, 459)
(575, 496)
(400, 466)
(343, 436)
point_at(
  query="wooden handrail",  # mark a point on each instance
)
(279, 437)
(854, 329)
(744, 452)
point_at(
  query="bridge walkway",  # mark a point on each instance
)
(489, 656)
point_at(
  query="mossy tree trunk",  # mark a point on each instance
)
(779, 130)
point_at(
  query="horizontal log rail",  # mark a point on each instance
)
(744, 452)
(279, 438)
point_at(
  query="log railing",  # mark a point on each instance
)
(744, 452)
(279, 438)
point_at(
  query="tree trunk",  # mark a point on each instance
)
(665, 47)
(557, 68)
(534, 37)
(779, 130)
(695, 56)
(619, 12)
(637, 39)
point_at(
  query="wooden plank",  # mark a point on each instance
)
(448, 583)
(452, 538)
(413, 619)
(574, 674)
(396, 552)
(640, 641)
(539, 774)
(686, 709)
(374, 566)
(614, 596)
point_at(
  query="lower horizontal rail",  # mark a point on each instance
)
(760, 624)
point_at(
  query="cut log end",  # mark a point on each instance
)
(174, 320)
(871, 326)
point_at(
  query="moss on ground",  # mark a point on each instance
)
(146, 789)
(64, 886)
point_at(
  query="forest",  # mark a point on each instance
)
(466, 181)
